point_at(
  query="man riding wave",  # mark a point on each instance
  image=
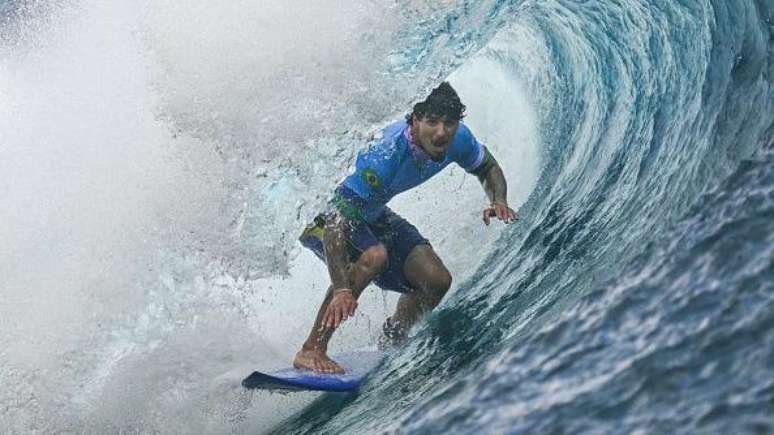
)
(362, 240)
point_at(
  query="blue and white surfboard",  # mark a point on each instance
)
(357, 366)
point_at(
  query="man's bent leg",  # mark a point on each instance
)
(430, 280)
(312, 355)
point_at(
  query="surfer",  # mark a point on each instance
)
(362, 240)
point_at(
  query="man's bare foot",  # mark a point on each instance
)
(392, 335)
(316, 360)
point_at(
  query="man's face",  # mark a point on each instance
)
(434, 134)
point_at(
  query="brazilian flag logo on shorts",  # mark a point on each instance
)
(371, 179)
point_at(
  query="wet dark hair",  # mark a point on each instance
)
(442, 102)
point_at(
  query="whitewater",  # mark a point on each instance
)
(158, 161)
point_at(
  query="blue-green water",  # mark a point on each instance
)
(637, 293)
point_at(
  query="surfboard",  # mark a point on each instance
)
(357, 365)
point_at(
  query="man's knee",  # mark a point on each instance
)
(374, 258)
(445, 281)
(438, 285)
(424, 270)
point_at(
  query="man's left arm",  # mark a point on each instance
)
(493, 181)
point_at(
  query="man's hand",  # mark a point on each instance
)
(500, 211)
(340, 309)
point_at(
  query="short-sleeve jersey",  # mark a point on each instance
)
(394, 164)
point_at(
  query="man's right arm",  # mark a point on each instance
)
(335, 242)
(343, 302)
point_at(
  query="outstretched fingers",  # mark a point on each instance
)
(506, 213)
(338, 316)
(337, 313)
(345, 311)
(329, 318)
(501, 212)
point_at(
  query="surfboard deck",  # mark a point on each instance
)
(357, 365)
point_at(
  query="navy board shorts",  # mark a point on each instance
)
(397, 235)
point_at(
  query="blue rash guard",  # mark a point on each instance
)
(394, 164)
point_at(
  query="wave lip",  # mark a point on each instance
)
(635, 293)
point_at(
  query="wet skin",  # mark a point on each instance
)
(434, 135)
(424, 271)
